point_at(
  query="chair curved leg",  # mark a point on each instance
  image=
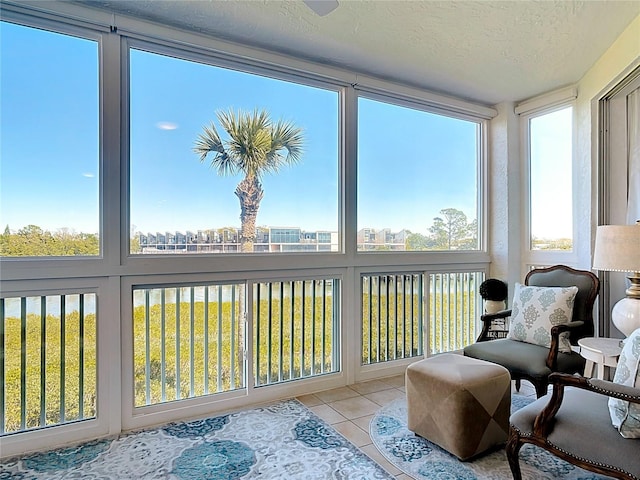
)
(513, 448)
(541, 388)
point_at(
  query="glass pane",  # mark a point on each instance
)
(49, 360)
(551, 191)
(49, 154)
(392, 317)
(187, 342)
(417, 180)
(295, 326)
(251, 186)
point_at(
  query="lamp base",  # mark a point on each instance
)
(626, 315)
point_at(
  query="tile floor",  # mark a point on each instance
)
(350, 409)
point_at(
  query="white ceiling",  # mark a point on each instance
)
(487, 51)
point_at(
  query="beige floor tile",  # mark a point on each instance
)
(371, 386)
(353, 433)
(309, 400)
(350, 410)
(363, 422)
(328, 414)
(385, 397)
(355, 407)
(377, 457)
(395, 381)
(336, 394)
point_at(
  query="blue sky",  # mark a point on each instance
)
(411, 164)
(551, 166)
(49, 130)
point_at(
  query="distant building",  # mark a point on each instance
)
(383, 239)
(227, 240)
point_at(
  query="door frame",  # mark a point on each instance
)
(612, 284)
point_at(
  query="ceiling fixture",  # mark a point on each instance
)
(322, 7)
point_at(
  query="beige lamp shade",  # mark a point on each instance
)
(618, 250)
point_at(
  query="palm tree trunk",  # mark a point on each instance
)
(249, 192)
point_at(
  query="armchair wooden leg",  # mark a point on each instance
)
(513, 448)
(517, 384)
(541, 388)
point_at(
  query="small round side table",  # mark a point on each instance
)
(600, 352)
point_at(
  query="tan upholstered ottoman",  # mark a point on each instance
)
(459, 403)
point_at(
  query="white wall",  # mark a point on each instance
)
(505, 163)
(503, 199)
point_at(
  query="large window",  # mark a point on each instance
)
(550, 168)
(120, 149)
(219, 157)
(417, 179)
(49, 154)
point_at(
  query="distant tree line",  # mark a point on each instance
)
(33, 241)
(451, 231)
(551, 243)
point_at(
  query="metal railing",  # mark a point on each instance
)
(190, 341)
(47, 360)
(392, 317)
(453, 310)
(296, 329)
(187, 341)
(393, 314)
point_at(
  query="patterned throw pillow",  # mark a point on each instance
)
(536, 309)
(625, 415)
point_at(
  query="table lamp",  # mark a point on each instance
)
(618, 250)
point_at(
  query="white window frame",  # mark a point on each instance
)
(528, 110)
(433, 104)
(202, 56)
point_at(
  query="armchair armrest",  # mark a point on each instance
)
(543, 423)
(552, 358)
(615, 390)
(487, 319)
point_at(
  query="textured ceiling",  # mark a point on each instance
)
(486, 51)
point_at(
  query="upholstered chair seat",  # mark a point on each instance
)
(586, 417)
(524, 352)
(574, 424)
(525, 360)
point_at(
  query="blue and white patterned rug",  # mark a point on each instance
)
(280, 441)
(422, 459)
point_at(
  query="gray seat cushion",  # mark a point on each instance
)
(523, 358)
(583, 429)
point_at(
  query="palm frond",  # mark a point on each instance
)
(255, 145)
(250, 139)
(285, 136)
(209, 141)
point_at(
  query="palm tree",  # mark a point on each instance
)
(255, 146)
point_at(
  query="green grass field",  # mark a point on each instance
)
(193, 348)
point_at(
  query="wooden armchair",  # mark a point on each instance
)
(535, 363)
(574, 424)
